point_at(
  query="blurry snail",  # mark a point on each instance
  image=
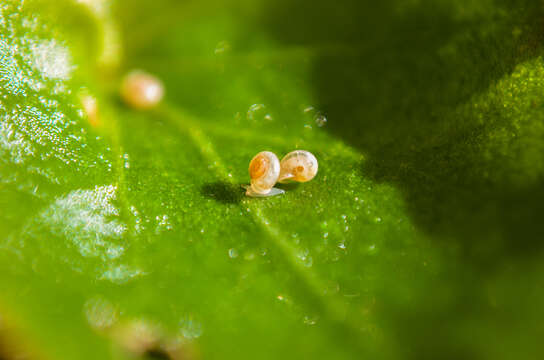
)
(141, 90)
(264, 170)
(90, 107)
(298, 165)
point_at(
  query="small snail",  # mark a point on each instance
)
(298, 165)
(90, 108)
(264, 170)
(141, 90)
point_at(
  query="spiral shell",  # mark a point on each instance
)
(141, 90)
(298, 165)
(264, 170)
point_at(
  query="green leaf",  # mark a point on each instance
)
(127, 234)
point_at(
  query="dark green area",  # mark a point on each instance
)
(415, 87)
(420, 238)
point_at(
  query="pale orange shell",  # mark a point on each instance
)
(264, 170)
(141, 90)
(90, 107)
(298, 165)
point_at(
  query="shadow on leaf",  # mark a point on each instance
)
(223, 192)
(422, 88)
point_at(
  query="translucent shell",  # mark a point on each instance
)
(264, 170)
(298, 165)
(141, 90)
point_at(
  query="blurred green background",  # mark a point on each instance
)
(126, 234)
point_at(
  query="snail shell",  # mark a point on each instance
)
(298, 165)
(264, 170)
(141, 90)
(90, 107)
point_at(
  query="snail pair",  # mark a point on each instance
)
(265, 170)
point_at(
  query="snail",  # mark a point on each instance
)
(141, 91)
(264, 170)
(90, 108)
(298, 165)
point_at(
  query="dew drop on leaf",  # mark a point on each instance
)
(320, 120)
(100, 313)
(233, 253)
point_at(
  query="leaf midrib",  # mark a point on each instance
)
(329, 306)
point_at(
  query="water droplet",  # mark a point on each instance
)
(121, 274)
(138, 227)
(189, 327)
(249, 256)
(222, 47)
(377, 219)
(320, 120)
(233, 253)
(163, 223)
(305, 258)
(127, 162)
(310, 319)
(254, 110)
(100, 312)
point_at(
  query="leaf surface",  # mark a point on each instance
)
(127, 234)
